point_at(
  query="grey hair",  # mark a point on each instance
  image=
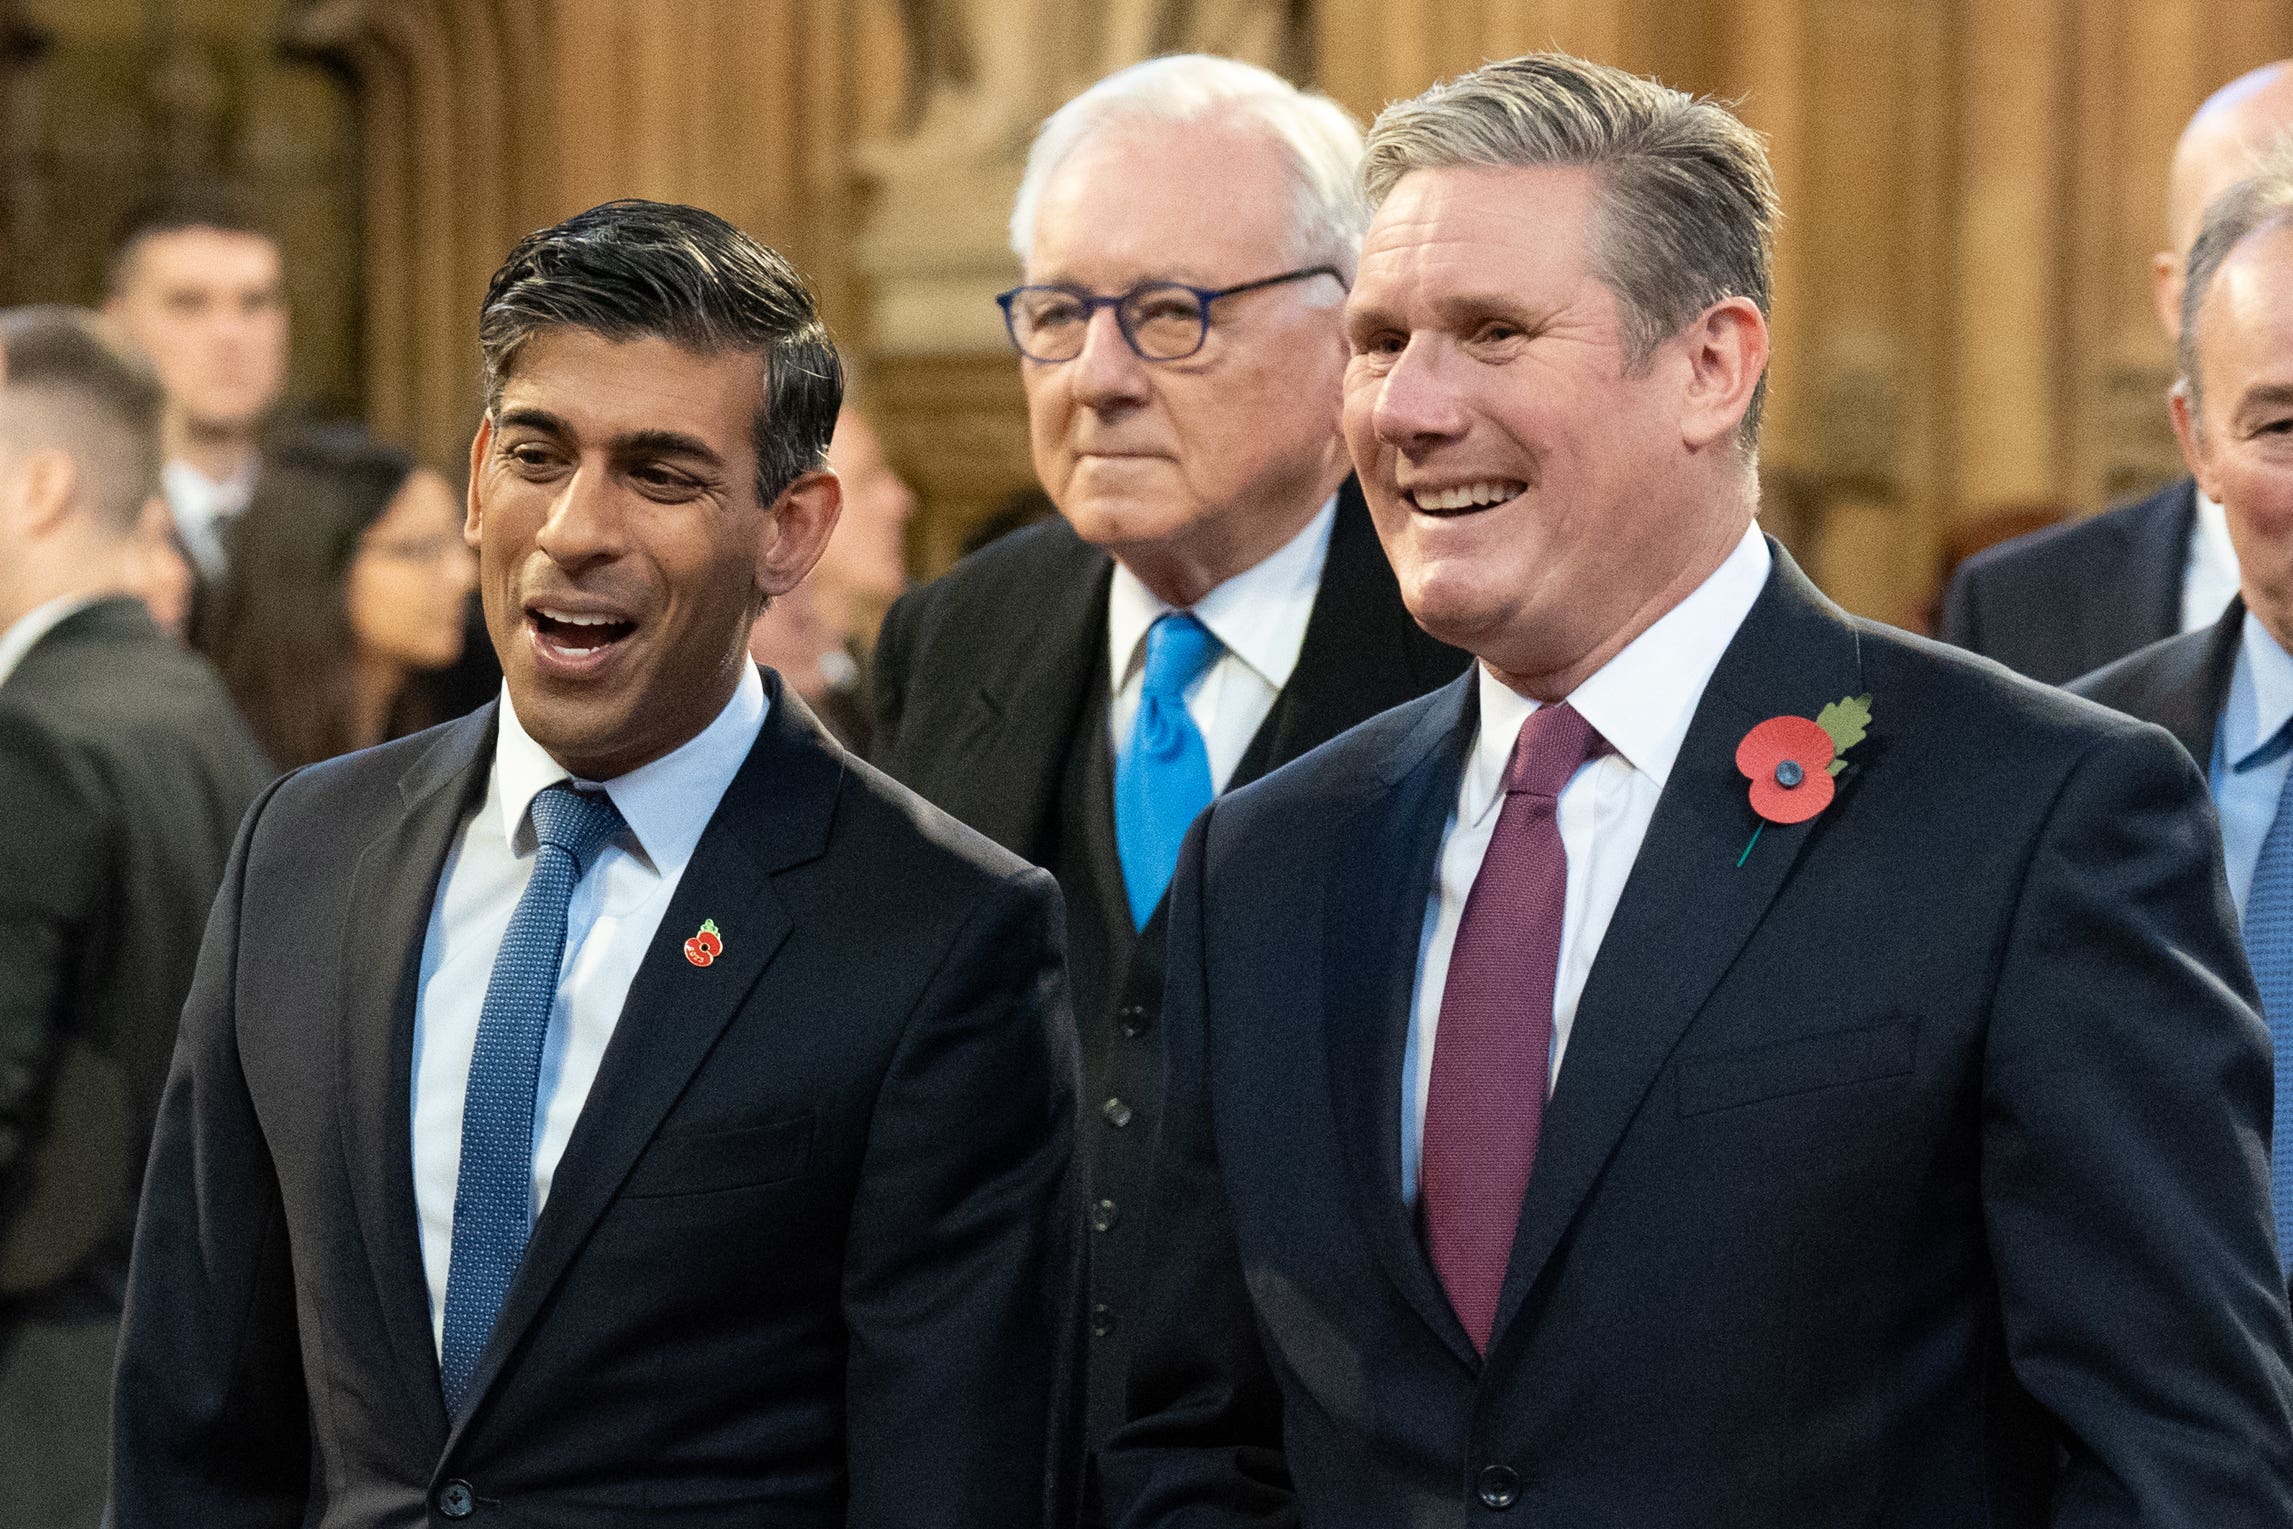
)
(636, 269)
(1687, 203)
(1321, 142)
(2263, 200)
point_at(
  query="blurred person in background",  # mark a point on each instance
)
(198, 285)
(348, 577)
(2226, 691)
(1211, 603)
(2064, 601)
(819, 634)
(123, 772)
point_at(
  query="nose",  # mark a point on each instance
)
(1107, 372)
(1418, 404)
(584, 524)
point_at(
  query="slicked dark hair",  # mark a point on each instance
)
(210, 204)
(632, 270)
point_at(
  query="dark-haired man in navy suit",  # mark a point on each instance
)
(618, 1106)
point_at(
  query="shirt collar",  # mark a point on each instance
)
(25, 632)
(1643, 699)
(2210, 529)
(1259, 615)
(189, 488)
(666, 804)
(2260, 697)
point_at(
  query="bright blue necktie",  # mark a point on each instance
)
(2269, 945)
(1162, 780)
(493, 1195)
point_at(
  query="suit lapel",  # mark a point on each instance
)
(776, 814)
(1688, 901)
(1374, 916)
(2192, 712)
(393, 888)
(1010, 742)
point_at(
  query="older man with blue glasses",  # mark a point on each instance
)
(1211, 602)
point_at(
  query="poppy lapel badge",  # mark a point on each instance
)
(706, 946)
(1793, 763)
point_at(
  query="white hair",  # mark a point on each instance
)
(1322, 143)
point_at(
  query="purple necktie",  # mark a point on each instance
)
(1493, 1048)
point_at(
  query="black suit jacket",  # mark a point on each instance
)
(124, 770)
(991, 691)
(811, 1254)
(2064, 601)
(2181, 683)
(1911, 1173)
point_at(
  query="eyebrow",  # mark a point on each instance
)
(656, 442)
(2268, 395)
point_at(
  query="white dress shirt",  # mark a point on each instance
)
(2209, 576)
(202, 507)
(1259, 616)
(26, 630)
(1641, 701)
(2251, 753)
(610, 925)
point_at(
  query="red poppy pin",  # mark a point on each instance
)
(706, 946)
(1791, 762)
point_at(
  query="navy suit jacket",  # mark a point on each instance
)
(2064, 601)
(811, 1257)
(1911, 1172)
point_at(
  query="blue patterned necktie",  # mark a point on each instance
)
(493, 1195)
(2269, 945)
(1162, 780)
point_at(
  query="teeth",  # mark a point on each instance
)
(570, 620)
(1465, 496)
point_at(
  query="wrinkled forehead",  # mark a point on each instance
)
(1209, 202)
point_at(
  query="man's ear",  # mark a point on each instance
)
(40, 491)
(2166, 291)
(472, 519)
(2189, 430)
(796, 531)
(1727, 355)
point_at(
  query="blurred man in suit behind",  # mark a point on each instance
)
(618, 1106)
(1585, 1104)
(1211, 603)
(2061, 602)
(2226, 690)
(123, 773)
(200, 287)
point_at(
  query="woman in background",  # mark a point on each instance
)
(348, 576)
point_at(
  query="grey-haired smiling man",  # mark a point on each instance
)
(618, 1106)
(1585, 1106)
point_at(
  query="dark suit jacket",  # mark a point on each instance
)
(2181, 684)
(124, 770)
(809, 1257)
(991, 696)
(1920, 1152)
(2064, 601)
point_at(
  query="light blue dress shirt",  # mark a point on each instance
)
(2251, 752)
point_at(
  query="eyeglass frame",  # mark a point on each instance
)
(1092, 302)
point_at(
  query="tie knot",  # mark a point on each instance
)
(577, 822)
(1552, 744)
(1178, 649)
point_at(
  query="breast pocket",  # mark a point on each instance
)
(705, 1162)
(1867, 1053)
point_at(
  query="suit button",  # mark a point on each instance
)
(1500, 1488)
(1135, 1020)
(1118, 1114)
(1102, 1320)
(456, 1500)
(1104, 1215)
